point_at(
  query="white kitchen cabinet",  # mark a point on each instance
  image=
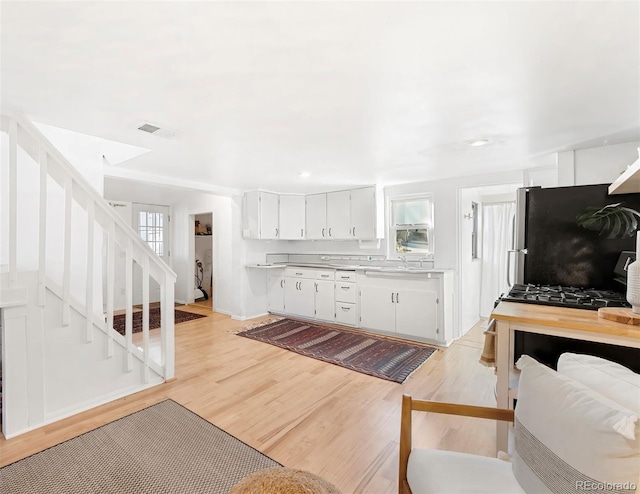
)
(363, 213)
(292, 217)
(408, 306)
(338, 215)
(316, 217)
(260, 215)
(299, 296)
(275, 293)
(325, 304)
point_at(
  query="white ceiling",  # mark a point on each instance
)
(353, 92)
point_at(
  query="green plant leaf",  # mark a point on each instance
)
(612, 220)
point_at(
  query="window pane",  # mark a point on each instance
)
(414, 240)
(412, 212)
(142, 218)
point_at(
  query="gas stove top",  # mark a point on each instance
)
(565, 296)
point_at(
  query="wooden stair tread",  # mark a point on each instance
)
(621, 315)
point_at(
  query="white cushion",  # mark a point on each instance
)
(612, 380)
(442, 472)
(566, 433)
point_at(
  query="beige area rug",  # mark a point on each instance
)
(164, 448)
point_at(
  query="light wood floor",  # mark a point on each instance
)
(301, 412)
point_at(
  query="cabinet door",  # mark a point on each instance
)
(325, 305)
(299, 297)
(275, 293)
(377, 309)
(316, 213)
(292, 217)
(417, 312)
(338, 210)
(363, 213)
(268, 215)
(251, 215)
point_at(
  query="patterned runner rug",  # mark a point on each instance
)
(119, 321)
(165, 448)
(377, 356)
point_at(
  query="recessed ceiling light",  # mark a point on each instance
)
(305, 174)
(478, 142)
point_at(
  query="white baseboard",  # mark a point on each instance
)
(244, 318)
(225, 312)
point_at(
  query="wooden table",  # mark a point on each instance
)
(580, 324)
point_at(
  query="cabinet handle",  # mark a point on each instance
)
(354, 231)
(316, 288)
(324, 275)
(298, 274)
(323, 232)
(392, 294)
(302, 232)
(397, 298)
(346, 309)
(345, 287)
(344, 277)
(281, 283)
(329, 231)
(276, 232)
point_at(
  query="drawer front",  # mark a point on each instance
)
(346, 292)
(346, 313)
(325, 275)
(294, 272)
(346, 276)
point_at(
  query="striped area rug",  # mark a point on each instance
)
(376, 356)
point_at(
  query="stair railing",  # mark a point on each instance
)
(116, 234)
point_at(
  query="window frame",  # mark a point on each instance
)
(392, 228)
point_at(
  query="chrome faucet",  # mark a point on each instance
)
(404, 261)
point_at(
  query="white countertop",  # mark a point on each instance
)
(350, 267)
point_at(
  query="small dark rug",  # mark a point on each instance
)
(381, 357)
(119, 321)
(164, 448)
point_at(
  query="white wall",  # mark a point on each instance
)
(599, 165)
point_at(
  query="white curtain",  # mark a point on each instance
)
(497, 238)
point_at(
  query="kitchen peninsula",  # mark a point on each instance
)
(577, 324)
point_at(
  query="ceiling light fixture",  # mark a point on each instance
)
(478, 142)
(305, 174)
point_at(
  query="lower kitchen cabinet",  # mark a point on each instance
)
(299, 296)
(324, 300)
(408, 307)
(275, 292)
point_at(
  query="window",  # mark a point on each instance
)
(151, 230)
(412, 226)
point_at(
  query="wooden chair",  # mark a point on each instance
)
(409, 404)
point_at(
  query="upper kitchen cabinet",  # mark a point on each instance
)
(260, 215)
(316, 213)
(338, 212)
(363, 213)
(292, 217)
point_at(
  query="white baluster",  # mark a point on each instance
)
(167, 332)
(13, 200)
(111, 271)
(66, 279)
(90, 267)
(129, 303)
(145, 315)
(42, 234)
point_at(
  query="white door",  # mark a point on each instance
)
(417, 312)
(292, 217)
(269, 215)
(275, 293)
(363, 213)
(338, 222)
(325, 305)
(316, 214)
(377, 308)
(152, 224)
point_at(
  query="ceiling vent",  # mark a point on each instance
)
(155, 130)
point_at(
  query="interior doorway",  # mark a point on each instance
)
(482, 248)
(203, 259)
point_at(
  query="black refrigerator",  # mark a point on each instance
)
(551, 249)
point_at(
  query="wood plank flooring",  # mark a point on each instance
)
(303, 413)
